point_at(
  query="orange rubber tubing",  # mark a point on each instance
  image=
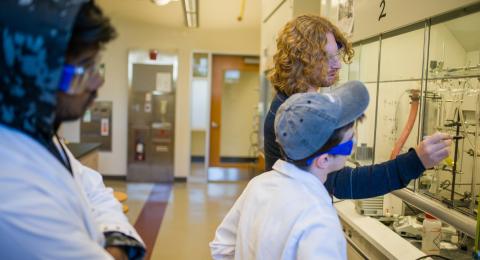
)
(415, 97)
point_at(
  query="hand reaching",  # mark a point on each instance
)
(433, 149)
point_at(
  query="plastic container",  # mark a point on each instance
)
(431, 235)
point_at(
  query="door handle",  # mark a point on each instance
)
(214, 124)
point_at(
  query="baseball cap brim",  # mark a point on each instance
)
(354, 99)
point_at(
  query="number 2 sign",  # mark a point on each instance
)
(382, 12)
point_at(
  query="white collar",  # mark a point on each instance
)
(313, 184)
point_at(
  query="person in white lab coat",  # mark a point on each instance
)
(287, 213)
(51, 206)
(107, 211)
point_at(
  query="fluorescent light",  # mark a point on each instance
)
(191, 13)
(190, 5)
(161, 2)
(195, 20)
(189, 20)
(192, 20)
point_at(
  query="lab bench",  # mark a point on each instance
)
(86, 153)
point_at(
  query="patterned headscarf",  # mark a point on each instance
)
(34, 35)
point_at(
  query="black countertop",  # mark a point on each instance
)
(81, 149)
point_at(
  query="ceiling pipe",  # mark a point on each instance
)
(242, 10)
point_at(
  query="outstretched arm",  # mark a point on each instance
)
(379, 179)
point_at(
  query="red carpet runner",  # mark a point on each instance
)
(150, 219)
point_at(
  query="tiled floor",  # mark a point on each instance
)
(137, 196)
(193, 212)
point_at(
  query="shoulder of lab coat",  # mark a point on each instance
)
(317, 241)
(310, 229)
(106, 209)
(43, 214)
(224, 243)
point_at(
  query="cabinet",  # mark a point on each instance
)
(422, 79)
(86, 153)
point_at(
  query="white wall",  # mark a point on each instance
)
(271, 28)
(71, 131)
(275, 14)
(198, 142)
(200, 92)
(135, 35)
(200, 113)
(473, 58)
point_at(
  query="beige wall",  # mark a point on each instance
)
(399, 13)
(134, 35)
(198, 143)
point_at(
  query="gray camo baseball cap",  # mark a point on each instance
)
(305, 121)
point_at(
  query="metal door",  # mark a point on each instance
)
(151, 128)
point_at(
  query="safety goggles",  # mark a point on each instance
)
(341, 149)
(74, 78)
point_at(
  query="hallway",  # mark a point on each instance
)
(178, 221)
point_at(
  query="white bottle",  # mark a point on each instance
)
(431, 235)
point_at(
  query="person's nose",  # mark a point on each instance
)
(95, 82)
(335, 63)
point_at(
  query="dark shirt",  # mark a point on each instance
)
(351, 183)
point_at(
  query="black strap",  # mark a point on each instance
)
(66, 161)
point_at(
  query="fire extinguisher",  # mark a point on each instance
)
(139, 150)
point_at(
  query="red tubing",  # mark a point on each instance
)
(415, 97)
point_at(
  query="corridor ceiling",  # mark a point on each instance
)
(214, 14)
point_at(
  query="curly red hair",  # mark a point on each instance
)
(301, 61)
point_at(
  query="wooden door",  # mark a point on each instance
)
(221, 64)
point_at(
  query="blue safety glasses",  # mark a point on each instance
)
(69, 73)
(74, 78)
(341, 149)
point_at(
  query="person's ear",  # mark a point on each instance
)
(323, 161)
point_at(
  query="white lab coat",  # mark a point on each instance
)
(44, 213)
(106, 210)
(283, 214)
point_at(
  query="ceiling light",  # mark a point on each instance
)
(190, 5)
(190, 9)
(163, 2)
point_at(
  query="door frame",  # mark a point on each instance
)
(228, 61)
(144, 171)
